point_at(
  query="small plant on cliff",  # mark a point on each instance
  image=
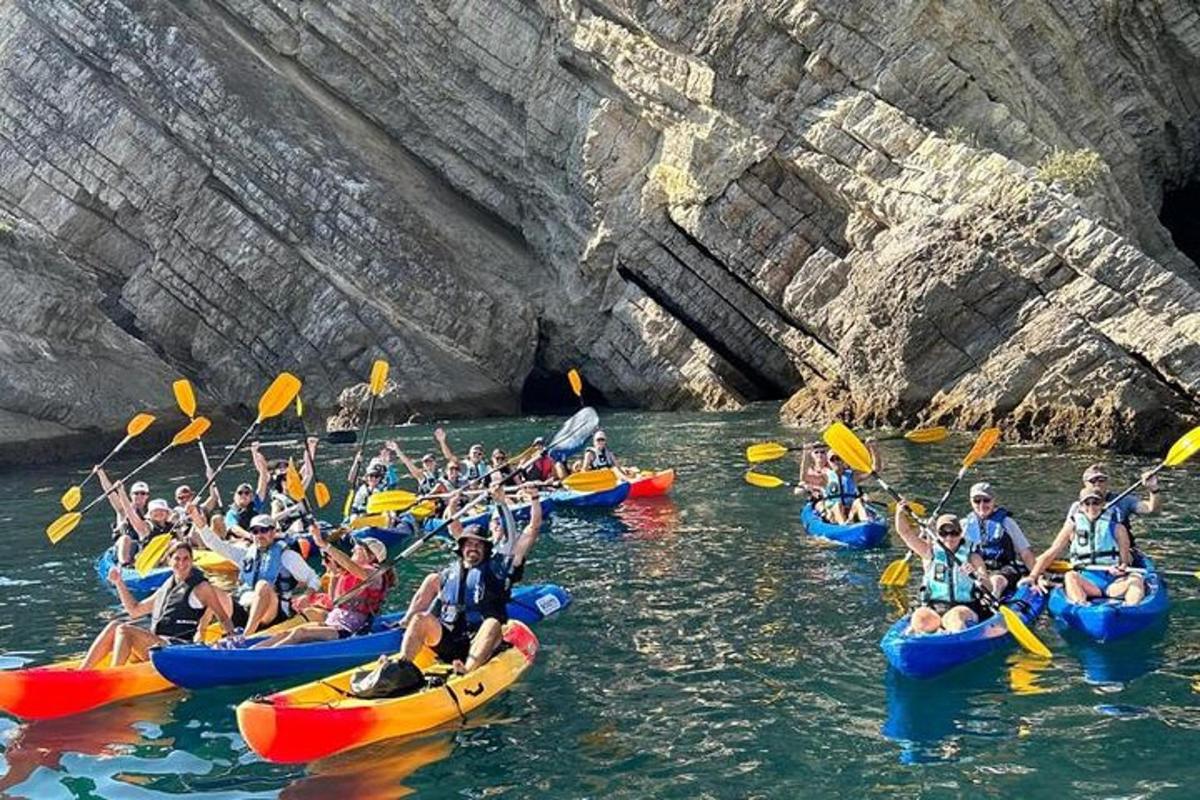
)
(960, 135)
(1078, 170)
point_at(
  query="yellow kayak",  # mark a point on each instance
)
(319, 719)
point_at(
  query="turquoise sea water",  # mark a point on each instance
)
(712, 651)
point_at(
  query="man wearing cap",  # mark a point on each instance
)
(473, 467)
(1097, 476)
(1101, 553)
(472, 593)
(995, 534)
(268, 572)
(598, 456)
(426, 475)
(950, 600)
(126, 541)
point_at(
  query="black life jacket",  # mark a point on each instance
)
(173, 616)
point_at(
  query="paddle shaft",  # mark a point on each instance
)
(1141, 481)
(127, 477)
(362, 442)
(228, 456)
(106, 459)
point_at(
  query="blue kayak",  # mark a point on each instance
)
(139, 585)
(609, 497)
(859, 535)
(199, 666)
(929, 654)
(1103, 619)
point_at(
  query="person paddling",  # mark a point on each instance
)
(126, 540)
(950, 601)
(268, 572)
(812, 476)
(1101, 554)
(843, 499)
(175, 609)
(472, 593)
(1096, 476)
(994, 533)
(356, 615)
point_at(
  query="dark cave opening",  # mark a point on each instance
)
(1180, 215)
(549, 393)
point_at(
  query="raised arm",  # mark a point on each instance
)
(132, 607)
(307, 468)
(343, 560)
(530, 535)
(910, 533)
(264, 472)
(439, 435)
(409, 465)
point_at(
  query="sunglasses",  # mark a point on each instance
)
(452, 469)
(244, 491)
(257, 531)
(981, 500)
(1098, 479)
(141, 493)
(948, 532)
(1091, 501)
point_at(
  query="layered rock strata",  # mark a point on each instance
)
(699, 203)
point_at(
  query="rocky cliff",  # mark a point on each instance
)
(698, 202)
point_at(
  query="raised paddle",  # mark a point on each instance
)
(186, 400)
(320, 490)
(376, 384)
(72, 496)
(62, 526)
(149, 556)
(843, 442)
(274, 400)
(772, 451)
(1183, 449)
(398, 500)
(897, 572)
(576, 382)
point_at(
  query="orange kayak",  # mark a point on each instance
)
(58, 690)
(318, 719)
(651, 484)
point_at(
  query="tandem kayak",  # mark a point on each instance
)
(142, 585)
(196, 666)
(570, 498)
(318, 719)
(859, 535)
(651, 484)
(1104, 619)
(930, 654)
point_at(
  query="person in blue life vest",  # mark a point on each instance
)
(472, 593)
(269, 572)
(950, 600)
(1128, 506)
(1100, 551)
(473, 467)
(843, 501)
(993, 532)
(176, 609)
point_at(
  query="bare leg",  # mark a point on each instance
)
(958, 618)
(423, 630)
(999, 584)
(124, 551)
(132, 642)
(265, 605)
(1131, 588)
(1079, 588)
(858, 511)
(837, 514)
(483, 645)
(101, 647)
(312, 632)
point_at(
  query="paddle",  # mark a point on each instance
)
(320, 490)
(186, 400)
(274, 400)
(843, 442)
(152, 553)
(576, 382)
(379, 372)
(1183, 449)
(772, 451)
(399, 500)
(72, 496)
(897, 572)
(1062, 565)
(62, 526)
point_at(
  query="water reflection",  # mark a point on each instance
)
(1115, 664)
(377, 771)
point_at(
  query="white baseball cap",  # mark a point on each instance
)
(158, 504)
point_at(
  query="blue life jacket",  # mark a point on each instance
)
(1095, 543)
(992, 542)
(468, 597)
(946, 579)
(266, 565)
(474, 472)
(840, 488)
(603, 459)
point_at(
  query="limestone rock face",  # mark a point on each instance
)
(696, 202)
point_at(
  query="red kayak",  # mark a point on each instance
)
(651, 484)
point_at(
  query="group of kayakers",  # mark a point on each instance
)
(458, 611)
(971, 564)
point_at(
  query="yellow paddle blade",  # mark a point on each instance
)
(392, 500)
(138, 424)
(593, 480)
(896, 573)
(299, 407)
(71, 497)
(379, 372)
(575, 381)
(346, 506)
(843, 442)
(526, 454)
(916, 506)
(149, 556)
(293, 484)
(765, 451)
(1184, 449)
(369, 521)
(927, 435)
(763, 481)
(1059, 566)
(184, 396)
(278, 396)
(983, 445)
(62, 526)
(321, 492)
(423, 509)
(191, 432)
(1020, 631)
